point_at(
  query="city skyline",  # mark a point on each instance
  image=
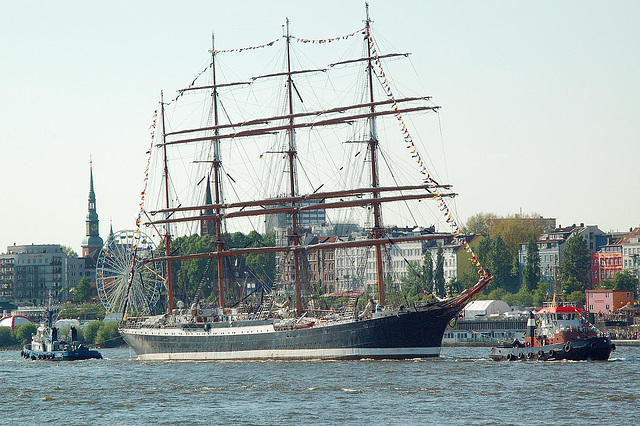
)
(538, 101)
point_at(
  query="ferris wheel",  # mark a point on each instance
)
(112, 274)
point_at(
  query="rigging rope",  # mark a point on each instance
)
(136, 238)
(413, 150)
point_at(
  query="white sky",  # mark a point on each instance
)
(540, 100)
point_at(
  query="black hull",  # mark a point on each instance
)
(413, 333)
(591, 349)
(70, 355)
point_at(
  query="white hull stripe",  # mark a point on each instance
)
(297, 354)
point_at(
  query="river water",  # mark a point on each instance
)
(461, 387)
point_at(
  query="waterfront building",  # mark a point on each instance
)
(551, 247)
(608, 301)
(631, 251)
(605, 264)
(455, 257)
(322, 264)
(306, 218)
(31, 274)
(351, 266)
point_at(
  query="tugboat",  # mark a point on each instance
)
(45, 345)
(557, 333)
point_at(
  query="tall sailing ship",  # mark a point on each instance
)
(328, 157)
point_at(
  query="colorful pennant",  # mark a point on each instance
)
(413, 151)
(136, 239)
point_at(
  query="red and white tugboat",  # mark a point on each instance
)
(556, 333)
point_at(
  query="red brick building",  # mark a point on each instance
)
(605, 264)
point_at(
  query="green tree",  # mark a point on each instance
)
(479, 223)
(606, 285)
(427, 271)
(90, 331)
(438, 277)
(516, 229)
(531, 271)
(6, 337)
(108, 335)
(83, 291)
(483, 253)
(68, 310)
(22, 333)
(625, 280)
(500, 263)
(496, 294)
(540, 294)
(577, 296)
(69, 252)
(190, 273)
(412, 285)
(91, 311)
(576, 265)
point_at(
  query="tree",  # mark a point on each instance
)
(438, 278)
(531, 272)
(108, 335)
(22, 333)
(625, 280)
(83, 291)
(427, 271)
(514, 230)
(90, 331)
(497, 294)
(69, 252)
(540, 294)
(606, 285)
(479, 223)
(84, 311)
(577, 296)
(412, 285)
(500, 261)
(68, 311)
(6, 337)
(483, 253)
(575, 270)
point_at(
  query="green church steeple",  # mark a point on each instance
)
(91, 243)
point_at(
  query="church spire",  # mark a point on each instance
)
(206, 225)
(92, 243)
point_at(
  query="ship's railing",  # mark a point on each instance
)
(556, 304)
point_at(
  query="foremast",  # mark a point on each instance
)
(167, 235)
(291, 153)
(216, 175)
(377, 230)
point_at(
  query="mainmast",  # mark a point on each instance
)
(167, 235)
(217, 181)
(291, 152)
(373, 148)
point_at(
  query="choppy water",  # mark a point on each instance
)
(462, 387)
